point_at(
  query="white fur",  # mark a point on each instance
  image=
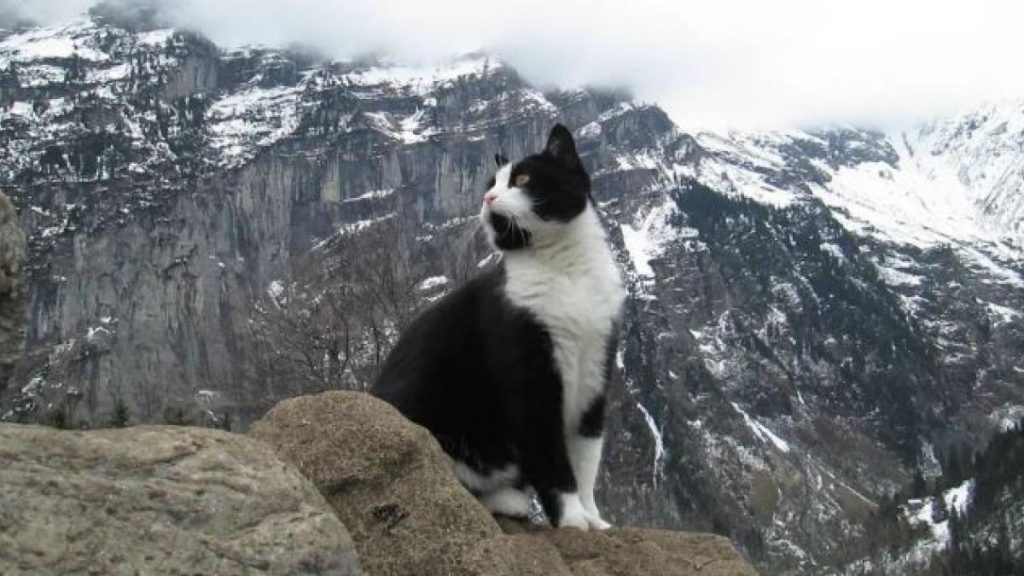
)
(585, 454)
(574, 515)
(511, 202)
(508, 501)
(568, 279)
(571, 284)
(481, 484)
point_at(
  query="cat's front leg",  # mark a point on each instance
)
(585, 454)
(585, 445)
(544, 456)
(547, 467)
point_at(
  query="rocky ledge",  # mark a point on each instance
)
(315, 470)
(395, 490)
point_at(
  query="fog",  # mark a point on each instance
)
(709, 63)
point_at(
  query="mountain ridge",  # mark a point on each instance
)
(792, 351)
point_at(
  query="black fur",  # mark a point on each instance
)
(507, 235)
(558, 184)
(479, 373)
(592, 422)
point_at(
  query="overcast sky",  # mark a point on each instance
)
(711, 63)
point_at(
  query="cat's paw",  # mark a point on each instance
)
(592, 514)
(578, 521)
(573, 515)
(508, 502)
(595, 521)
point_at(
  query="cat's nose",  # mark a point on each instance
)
(490, 197)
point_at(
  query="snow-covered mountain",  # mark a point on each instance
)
(814, 317)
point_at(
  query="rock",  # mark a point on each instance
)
(12, 290)
(167, 500)
(389, 482)
(395, 489)
(633, 551)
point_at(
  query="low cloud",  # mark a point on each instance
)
(710, 63)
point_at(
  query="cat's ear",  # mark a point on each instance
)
(500, 160)
(561, 146)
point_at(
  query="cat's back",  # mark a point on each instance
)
(444, 344)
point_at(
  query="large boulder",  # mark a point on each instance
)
(12, 290)
(160, 500)
(391, 485)
(396, 491)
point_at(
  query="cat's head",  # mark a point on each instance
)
(532, 202)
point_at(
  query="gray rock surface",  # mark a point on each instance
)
(160, 500)
(629, 551)
(12, 290)
(395, 489)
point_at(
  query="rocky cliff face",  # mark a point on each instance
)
(813, 317)
(13, 290)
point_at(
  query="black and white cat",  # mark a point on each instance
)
(509, 372)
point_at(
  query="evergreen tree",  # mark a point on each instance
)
(120, 416)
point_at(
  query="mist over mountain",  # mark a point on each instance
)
(820, 323)
(708, 63)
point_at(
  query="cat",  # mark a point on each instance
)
(509, 371)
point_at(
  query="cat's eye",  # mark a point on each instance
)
(522, 180)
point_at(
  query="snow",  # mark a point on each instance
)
(639, 160)
(432, 283)
(275, 289)
(489, 259)
(981, 149)
(929, 461)
(207, 396)
(1007, 417)
(372, 195)
(94, 332)
(619, 109)
(954, 184)
(110, 74)
(833, 250)
(958, 498)
(1002, 314)
(411, 129)
(761, 431)
(918, 511)
(896, 277)
(361, 225)
(421, 80)
(61, 42)
(905, 208)
(647, 241)
(740, 162)
(659, 443)
(251, 118)
(592, 130)
(155, 38)
(537, 97)
(23, 109)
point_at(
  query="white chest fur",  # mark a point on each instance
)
(574, 289)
